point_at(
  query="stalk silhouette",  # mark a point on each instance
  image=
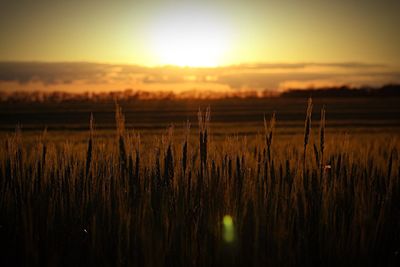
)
(307, 132)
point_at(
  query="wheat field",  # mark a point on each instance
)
(191, 199)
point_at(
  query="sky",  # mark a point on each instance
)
(224, 37)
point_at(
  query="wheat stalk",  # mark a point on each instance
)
(269, 130)
(90, 145)
(322, 137)
(307, 130)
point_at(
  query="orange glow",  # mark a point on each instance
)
(197, 45)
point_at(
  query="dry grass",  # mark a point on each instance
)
(114, 203)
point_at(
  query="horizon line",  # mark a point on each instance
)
(249, 64)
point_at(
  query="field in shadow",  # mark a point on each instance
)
(94, 191)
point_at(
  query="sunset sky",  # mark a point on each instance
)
(321, 36)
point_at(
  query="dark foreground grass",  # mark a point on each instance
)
(319, 201)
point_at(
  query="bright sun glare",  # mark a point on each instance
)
(190, 37)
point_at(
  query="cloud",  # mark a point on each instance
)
(261, 76)
(266, 66)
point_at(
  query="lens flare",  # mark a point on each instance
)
(228, 229)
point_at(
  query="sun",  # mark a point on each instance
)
(190, 37)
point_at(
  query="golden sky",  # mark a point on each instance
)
(197, 45)
(200, 33)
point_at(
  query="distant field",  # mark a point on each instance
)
(232, 116)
